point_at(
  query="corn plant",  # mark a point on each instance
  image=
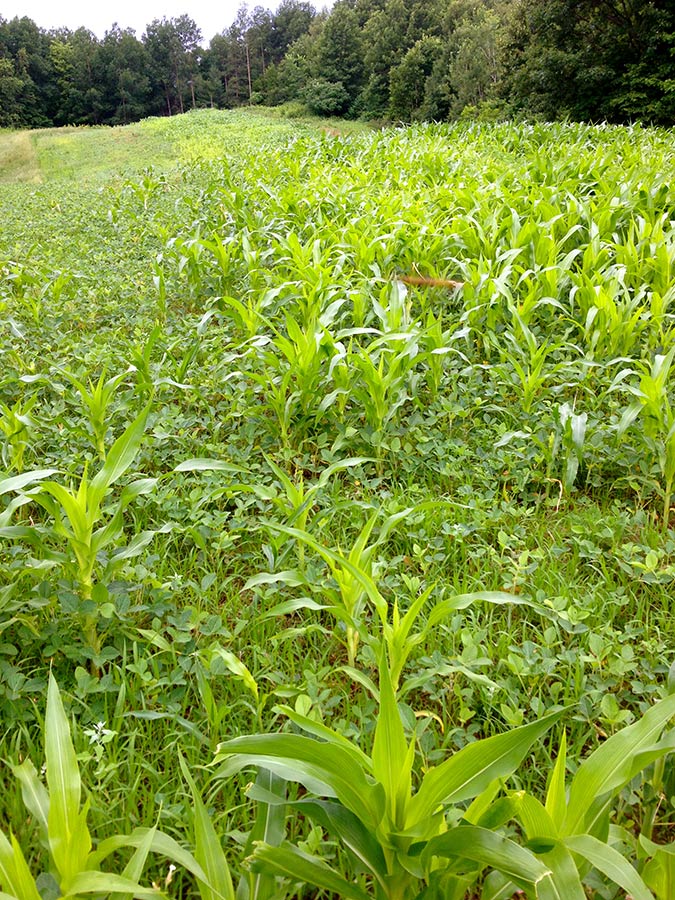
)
(570, 831)
(612, 318)
(570, 436)
(140, 359)
(437, 343)
(17, 426)
(527, 365)
(312, 272)
(97, 400)
(148, 186)
(186, 254)
(302, 348)
(386, 378)
(225, 254)
(654, 407)
(297, 364)
(355, 574)
(296, 499)
(159, 281)
(74, 864)
(248, 313)
(399, 838)
(76, 515)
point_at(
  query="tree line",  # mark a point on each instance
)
(392, 60)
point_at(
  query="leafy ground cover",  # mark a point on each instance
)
(266, 472)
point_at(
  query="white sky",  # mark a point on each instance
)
(212, 16)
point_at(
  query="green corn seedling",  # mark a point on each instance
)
(570, 831)
(348, 602)
(74, 862)
(80, 519)
(398, 837)
(653, 405)
(528, 363)
(17, 426)
(297, 499)
(97, 400)
(570, 436)
(354, 574)
(386, 378)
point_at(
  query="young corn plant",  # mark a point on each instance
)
(570, 436)
(296, 499)
(74, 864)
(613, 319)
(356, 578)
(570, 832)
(18, 427)
(81, 520)
(386, 379)
(527, 366)
(654, 407)
(401, 843)
(248, 313)
(296, 369)
(97, 400)
(353, 574)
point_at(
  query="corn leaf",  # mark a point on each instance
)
(323, 768)
(611, 863)
(612, 765)
(17, 482)
(69, 838)
(269, 792)
(119, 458)
(34, 794)
(208, 849)
(88, 882)
(469, 772)
(14, 872)
(391, 762)
(488, 849)
(290, 863)
(556, 800)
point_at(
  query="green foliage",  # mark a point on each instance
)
(75, 515)
(407, 395)
(402, 59)
(74, 867)
(593, 61)
(408, 79)
(325, 98)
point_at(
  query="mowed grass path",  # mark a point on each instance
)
(18, 157)
(79, 154)
(86, 155)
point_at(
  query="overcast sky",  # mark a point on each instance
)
(212, 16)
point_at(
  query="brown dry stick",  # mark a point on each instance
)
(424, 281)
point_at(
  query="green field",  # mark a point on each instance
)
(266, 472)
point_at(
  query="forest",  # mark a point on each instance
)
(382, 60)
